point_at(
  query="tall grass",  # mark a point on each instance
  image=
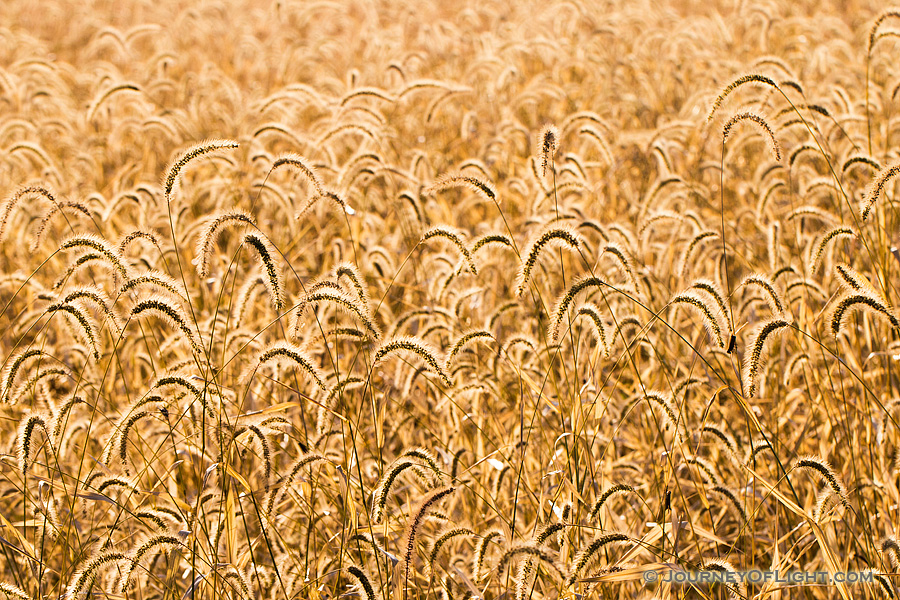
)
(469, 300)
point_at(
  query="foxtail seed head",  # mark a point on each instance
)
(187, 156)
(771, 294)
(876, 188)
(480, 551)
(740, 81)
(453, 180)
(267, 253)
(828, 237)
(303, 165)
(286, 350)
(561, 237)
(531, 550)
(736, 591)
(455, 238)
(754, 359)
(417, 346)
(707, 310)
(867, 301)
(210, 234)
(619, 488)
(164, 307)
(827, 472)
(363, 582)
(549, 146)
(590, 554)
(764, 126)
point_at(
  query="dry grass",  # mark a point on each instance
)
(292, 298)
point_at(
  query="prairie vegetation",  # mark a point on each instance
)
(446, 300)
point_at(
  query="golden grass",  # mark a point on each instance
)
(292, 298)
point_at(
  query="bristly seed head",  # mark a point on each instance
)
(189, 155)
(549, 146)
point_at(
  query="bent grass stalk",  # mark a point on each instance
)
(753, 361)
(210, 234)
(455, 238)
(417, 346)
(200, 419)
(415, 523)
(876, 189)
(266, 253)
(709, 312)
(555, 236)
(866, 301)
(286, 351)
(174, 171)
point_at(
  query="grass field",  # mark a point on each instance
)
(495, 300)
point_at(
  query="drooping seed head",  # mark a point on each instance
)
(187, 156)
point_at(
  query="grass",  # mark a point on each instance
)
(292, 299)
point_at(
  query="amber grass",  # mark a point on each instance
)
(303, 165)
(363, 581)
(554, 236)
(210, 234)
(443, 539)
(196, 151)
(342, 300)
(872, 39)
(85, 577)
(74, 208)
(305, 460)
(589, 555)
(162, 306)
(688, 252)
(828, 474)
(733, 501)
(266, 252)
(619, 488)
(549, 142)
(755, 357)
(157, 543)
(11, 368)
(417, 346)
(12, 591)
(530, 550)
(292, 353)
(456, 240)
(877, 188)
(707, 471)
(141, 399)
(821, 246)
(156, 279)
(594, 315)
(859, 160)
(101, 247)
(724, 438)
(415, 522)
(763, 125)
(331, 195)
(479, 554)
(453, 180)
(84, 324)
(773, 298)
(14, 200)
(867, 301)
(891, 548)
(735, 591)
(709, 312)
(624, 262)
